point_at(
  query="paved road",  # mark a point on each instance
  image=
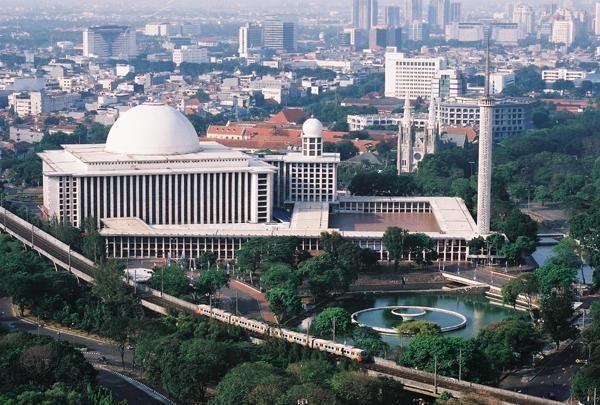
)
(480, 274)
(250, 302)
(121, 388)
(552, 380)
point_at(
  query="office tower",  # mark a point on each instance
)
(109, 41)
(279, 35)
(454, 14)
(365, 14)
(417, 31)
(355, 13)
(412, 77)
(383, 37)
(438, 13)
(391, 16)
(564, 27)
(484, 175)
(413, 10)
(250, 37)
(597, 19)
(524, 16)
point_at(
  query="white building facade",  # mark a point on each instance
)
(190, 54)
(158, 193)
(110, 41)
(169, 180)
(412, 77)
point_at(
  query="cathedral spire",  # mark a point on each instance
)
(431, 124)
(407, 119)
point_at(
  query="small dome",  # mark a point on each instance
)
(152, 129)
(312, 127)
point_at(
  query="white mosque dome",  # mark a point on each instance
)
(152, 129)
(312, 127)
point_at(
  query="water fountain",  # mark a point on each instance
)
(447, 320)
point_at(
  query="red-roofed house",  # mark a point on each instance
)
(289, 116)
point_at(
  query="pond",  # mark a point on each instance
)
(476, 308)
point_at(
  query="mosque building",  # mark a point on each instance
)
(156, 192)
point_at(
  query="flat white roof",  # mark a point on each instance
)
(308, 220)
(94, 159)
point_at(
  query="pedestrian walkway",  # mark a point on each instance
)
(263, 305)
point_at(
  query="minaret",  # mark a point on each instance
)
(484, 177)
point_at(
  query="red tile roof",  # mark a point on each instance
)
(288, 116)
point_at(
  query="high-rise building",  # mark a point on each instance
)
(448, 83)
(410, 77)
(564, 27)
(279, 35)
(597, 19)
(391, 16)
(417, 31)
(250, 37)
(524, 16)
(438, 13)
(109, 41)
(454, 14)
(383, 37)
(365, 14)
(412, 10)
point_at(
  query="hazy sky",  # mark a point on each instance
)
(274, 5)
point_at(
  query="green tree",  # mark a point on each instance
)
(557, 312)
(414, 328)
(210, 281)
(552, 276)
(524, 284)
(509, 344)
(518, 224)
(420, 247)
(394, 240)
(206, 260)
(356, 388)
(424, 351)
(325, 274)
(172, 279)
(311, 371)
(370, 341)
(280, 275)
(346, 149)
(93, 244)
(283, 302)
(330, 318)
(251, 383)
(121, 311)
(310, 393)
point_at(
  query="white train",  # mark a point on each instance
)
(303, 339)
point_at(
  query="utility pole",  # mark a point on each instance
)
(236, 302)
(334, 329)
(459, 363)
(435, 374)
(69, 258)
(162, 281)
